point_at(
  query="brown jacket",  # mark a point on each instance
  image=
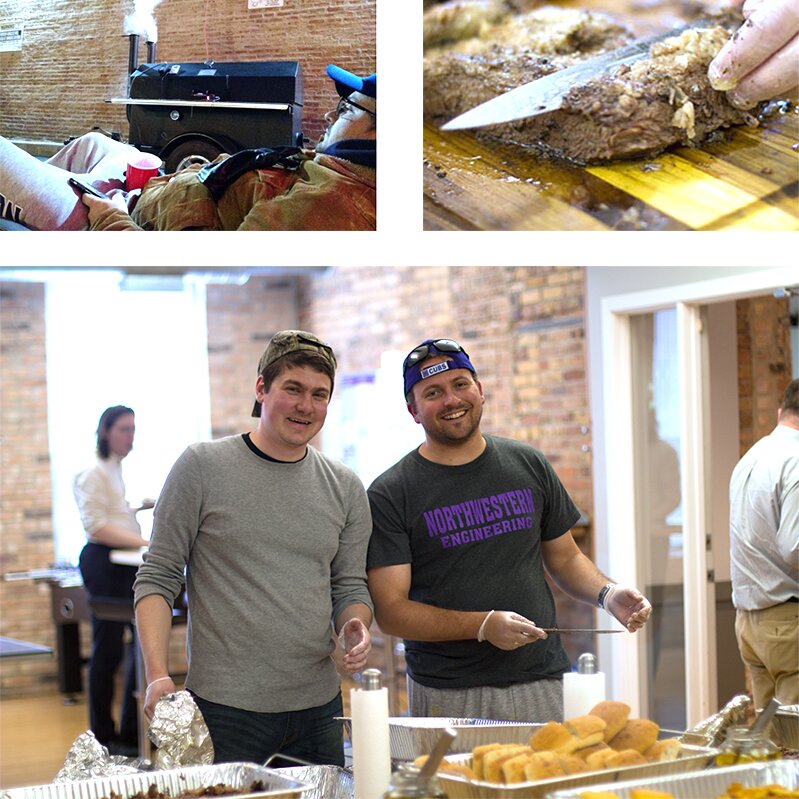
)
(326, 193)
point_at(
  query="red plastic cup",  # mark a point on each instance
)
(141, 168)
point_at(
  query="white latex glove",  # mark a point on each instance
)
(508, 630)
(356, 641)
(628, 606)
(761, 61)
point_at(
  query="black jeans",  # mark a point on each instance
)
(105, 579)
(246, 736)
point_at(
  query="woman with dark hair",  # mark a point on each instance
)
(110, 523)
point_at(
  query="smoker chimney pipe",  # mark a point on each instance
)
(133, 52)
(150, 52)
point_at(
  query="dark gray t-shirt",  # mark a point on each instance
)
(472, 535)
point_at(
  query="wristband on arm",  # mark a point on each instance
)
(605, 594)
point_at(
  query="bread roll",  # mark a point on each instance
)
(638, 734)
(572, 764)
(544, 766)
(492, 761)
(445, 765)
(626, 757)
(596, 761)
(478, 754)
(513, 768)
(588, 730)
(661, 751)
(457, 768)
(614, 714)
(552, 737)
(584, 751)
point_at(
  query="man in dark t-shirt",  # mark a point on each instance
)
(464, 529)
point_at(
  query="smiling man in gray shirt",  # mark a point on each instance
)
(272, 536)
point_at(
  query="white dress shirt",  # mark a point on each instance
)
(764, 522)
(100, 494)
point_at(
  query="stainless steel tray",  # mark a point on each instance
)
(173, 782)
(457, 786)
(328, 782)
(705, 784)
(785, 727)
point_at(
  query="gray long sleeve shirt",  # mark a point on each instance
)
(273, 552)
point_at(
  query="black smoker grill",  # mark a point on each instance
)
(192, 112)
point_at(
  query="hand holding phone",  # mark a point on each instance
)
(86, 188)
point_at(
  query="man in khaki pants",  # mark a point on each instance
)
(764, 557)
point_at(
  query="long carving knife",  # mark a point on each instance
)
(546, 94)
(577, 630)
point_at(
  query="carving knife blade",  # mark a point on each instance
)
(578, 630)
(546, 94)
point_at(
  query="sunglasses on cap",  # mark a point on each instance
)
(441, 345)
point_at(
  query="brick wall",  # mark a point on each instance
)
(241, 320)
(75, 55)
(524, 330)
(764, 364)
(26, 541)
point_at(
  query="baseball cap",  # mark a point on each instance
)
(283, 343)
(413, 371)
(347, 82)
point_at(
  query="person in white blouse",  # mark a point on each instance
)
(110, 523)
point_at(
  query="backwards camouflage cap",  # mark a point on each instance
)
(284, 343)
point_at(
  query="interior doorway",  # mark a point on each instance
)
(671, 388)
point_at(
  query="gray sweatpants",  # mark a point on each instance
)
(539, 701)
(36, 193)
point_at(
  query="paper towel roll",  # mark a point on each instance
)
(371, 753)
(581, 692)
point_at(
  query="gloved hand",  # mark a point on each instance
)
(628, 605)
(508, 630)
(356, 641)
(761, 61)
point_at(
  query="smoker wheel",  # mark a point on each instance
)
(194, 151)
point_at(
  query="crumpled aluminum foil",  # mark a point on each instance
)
(88, 758)
(179, 733)
(714, 728)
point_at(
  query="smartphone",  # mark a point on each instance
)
(84, 187)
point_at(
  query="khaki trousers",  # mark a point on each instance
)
(769, 644)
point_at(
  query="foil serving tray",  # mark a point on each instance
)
(411, 736)
(173, 782)
(705, 784)
(457, 786)
(785, 727)
(327, 782)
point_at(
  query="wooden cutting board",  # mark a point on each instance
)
(747, 178)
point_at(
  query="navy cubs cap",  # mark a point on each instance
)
(412, 370)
